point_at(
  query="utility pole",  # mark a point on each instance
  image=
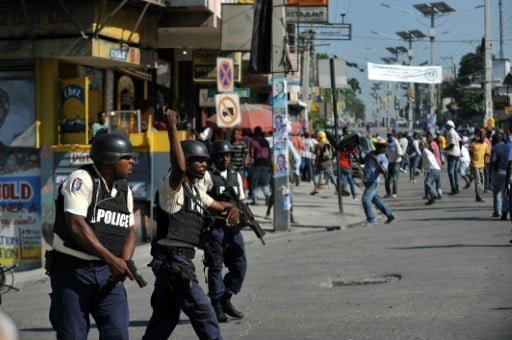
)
(432, 10)
(281, 189)
(488, 65)
(502, 55)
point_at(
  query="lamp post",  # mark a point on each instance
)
(433, 10)
(409, 36)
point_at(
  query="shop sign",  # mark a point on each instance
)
(307, 14)
(307, 3)
(74, 110)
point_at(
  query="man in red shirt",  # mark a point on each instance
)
(346, 168)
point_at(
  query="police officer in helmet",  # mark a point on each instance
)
(94, 236)
(226, 245)
(176, 285)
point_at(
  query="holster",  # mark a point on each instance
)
(49, 261)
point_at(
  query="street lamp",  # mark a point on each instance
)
(409, 36)
(432, 10)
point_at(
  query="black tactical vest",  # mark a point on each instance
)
(187, 224)
(108, 216)
(218, 191)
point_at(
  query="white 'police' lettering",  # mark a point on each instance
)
(112, 218)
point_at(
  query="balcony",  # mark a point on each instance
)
(190, 24)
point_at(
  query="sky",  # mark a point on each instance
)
(457, 33)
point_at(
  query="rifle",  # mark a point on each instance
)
(247, 217)
(138, 278)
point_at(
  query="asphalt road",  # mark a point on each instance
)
(439, 272)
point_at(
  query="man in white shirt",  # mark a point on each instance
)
(394, 154)
(432, 173)
(453, 156)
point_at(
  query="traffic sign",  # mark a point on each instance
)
(228, 110)
(225, 75)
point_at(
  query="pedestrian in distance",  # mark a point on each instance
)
(375, 163)
(394, 154)
(452, 151)
(94, 237)
(323, 161)
(432, 172)
(479, 150)
(181, 226)
(414, 154)
(498, 167)
(225, 245)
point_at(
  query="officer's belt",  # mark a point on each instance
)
(183, 251)
(75, 262)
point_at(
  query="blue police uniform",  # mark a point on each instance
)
(176, 285)
(80, 282)
(227, 245)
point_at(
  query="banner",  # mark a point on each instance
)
(406, 74)
(20, 208)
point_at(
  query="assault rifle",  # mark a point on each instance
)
(246, 216)
(138, 278)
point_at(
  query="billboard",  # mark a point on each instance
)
(17, 109)
(406, 74)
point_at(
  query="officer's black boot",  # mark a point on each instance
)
(229, 309)
(221, 316)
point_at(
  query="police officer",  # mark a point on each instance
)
(176, 285)
(94, 236)
(226, 244)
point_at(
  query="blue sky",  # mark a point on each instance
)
(456, 34)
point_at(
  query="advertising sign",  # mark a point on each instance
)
(307, 3)
(74, 103)
(340, 73)
(405, 74)
(17, 109)
(20, 208)
(280, 121)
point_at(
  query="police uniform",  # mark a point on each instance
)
(79, 280)
(227, 247)
(176, 285)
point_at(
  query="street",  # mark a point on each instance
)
(437, 272)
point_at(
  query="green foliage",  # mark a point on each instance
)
(353, 105)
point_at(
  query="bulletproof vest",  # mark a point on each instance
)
(108, 216)
(220, 184)
(187, 224)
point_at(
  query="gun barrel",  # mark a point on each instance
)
(138, 278)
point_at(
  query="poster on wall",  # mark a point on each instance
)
(74, 101)
(280, 135)
(20, 207)
(17, 109)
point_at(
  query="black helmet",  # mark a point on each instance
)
(221, 146)
(194, 148)
(108, 148)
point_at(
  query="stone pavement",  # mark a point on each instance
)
(318, 213)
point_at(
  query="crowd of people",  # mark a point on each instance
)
(198, 206)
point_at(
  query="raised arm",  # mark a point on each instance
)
(178, 163)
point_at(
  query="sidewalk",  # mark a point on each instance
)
(318, 213)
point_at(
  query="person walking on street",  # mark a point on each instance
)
(434, 147)
(226, 245)
(323, 161)
(453, 156)
(404, 142)
(260, 171)
(394, 154)
(414, 154)
(432, 172)
(499, 163)
(478, 151)
(94, 237)
(465, 162)
(181, 226)
(308, 157)
(346, 167)
(375, 164)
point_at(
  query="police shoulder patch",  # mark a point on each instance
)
(76, 184)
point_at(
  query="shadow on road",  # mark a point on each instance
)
(454, 246)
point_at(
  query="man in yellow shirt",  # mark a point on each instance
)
(479, 151)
